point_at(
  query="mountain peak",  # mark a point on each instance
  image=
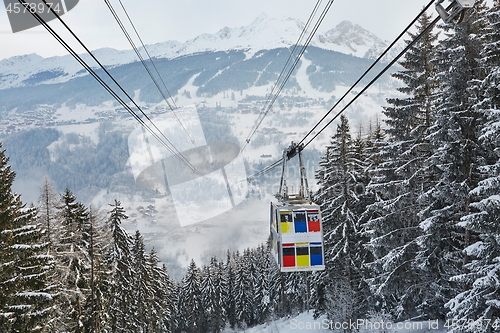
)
(353, 39)
(262, 17)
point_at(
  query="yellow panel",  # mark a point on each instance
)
(286, 227)
(304, 244)
(303, 261)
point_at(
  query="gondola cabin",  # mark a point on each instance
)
(297, 237)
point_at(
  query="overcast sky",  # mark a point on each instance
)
(181, 20)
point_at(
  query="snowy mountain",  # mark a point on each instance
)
(263, 33)
(351, 38)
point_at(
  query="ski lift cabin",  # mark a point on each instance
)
(296, 233)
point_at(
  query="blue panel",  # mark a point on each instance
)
(300, 226)
(316, 259)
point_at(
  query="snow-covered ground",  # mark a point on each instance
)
(305, 323)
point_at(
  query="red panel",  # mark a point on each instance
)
(313, 226)
(288, 252)
(288, 261)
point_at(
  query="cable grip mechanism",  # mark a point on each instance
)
(304, 195)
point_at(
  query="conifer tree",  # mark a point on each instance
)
(48, 203)
(119, 279)
(261, 285)
(212, 290)
(26, 295)
(229, 296)
(481, 301)
(339, 296)
(163, 303)
(277, 292)
(221, 293)
(96, 242)
(453, 164)
(73, 264)
(191, 314)
(143, 295)
(243, 290)
(398, 177)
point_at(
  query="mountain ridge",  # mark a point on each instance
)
(263, 33)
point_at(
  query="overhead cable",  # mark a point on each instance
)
(137, 52)
(369, 68)
(267, 169)
(411, 44)
(272, 98)
(171, 148)
(151, 60)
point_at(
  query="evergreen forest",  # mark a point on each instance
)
(410, 211)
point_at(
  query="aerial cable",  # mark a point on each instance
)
(99, 79)
(370, 68)
(92, 72)
(299, 40)
(88, 68)
(268, 105)
(303, 49)
(115, 15)
(178, 154)
(151, 59)
(410, 45)
(267, 169)
(124, 30)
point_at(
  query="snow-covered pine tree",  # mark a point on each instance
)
(453, 165)
(339, 296)
(481, 301)
(212, 290)
(262, 299)
(222, 292)
(26, 295)
(47, 208)
(95, 241)
(119, 278)
(207, 290)
(163, 304)
(277, 291)
(72, 263)
(190, 307)
(143, 294)
(244, 278)
(172, 289)
(398, 177)
(375, 141)
(229, 296)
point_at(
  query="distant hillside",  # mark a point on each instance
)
(211, 73)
